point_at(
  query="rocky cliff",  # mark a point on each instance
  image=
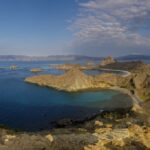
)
(107, 61)
(110, 132)
(138, 82)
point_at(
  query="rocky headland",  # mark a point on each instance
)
(72, 81)
(138, 82)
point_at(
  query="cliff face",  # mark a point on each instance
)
(139, 80)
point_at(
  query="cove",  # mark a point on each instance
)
(32, 108)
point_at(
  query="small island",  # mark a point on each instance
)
(72, 81)
(35, 70)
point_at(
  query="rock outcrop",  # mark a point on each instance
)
(36, 70)
(107, 61)
(138, 81)
(118, 134)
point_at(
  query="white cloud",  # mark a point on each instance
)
(117, 22)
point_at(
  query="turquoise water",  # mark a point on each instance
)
(32, 108)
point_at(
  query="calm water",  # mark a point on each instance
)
(29, 107)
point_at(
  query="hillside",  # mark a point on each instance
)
(73, 80)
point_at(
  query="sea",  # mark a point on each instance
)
(27, 107)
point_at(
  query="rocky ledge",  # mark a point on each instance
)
(108, 133)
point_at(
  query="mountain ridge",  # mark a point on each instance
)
(46, 58)
(134, 57)
(68, 57)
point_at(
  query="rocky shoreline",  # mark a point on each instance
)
(106, 131)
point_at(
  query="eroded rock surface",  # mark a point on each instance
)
(133, 137)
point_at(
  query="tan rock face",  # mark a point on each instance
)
(9, 138)
(98, 123)
(49, 137)
(107, 61)
(134, 137)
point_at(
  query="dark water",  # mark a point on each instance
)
(31, 108)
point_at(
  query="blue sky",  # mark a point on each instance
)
(34, 26)
(87, 27)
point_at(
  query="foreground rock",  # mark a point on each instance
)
(73, 80)
(108, 134)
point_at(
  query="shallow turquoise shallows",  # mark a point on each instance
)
(32, 108)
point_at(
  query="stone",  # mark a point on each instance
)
(98, 123)
(50, 137)
(7, 138)
(109, 125)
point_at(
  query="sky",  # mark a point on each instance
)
(81, 27)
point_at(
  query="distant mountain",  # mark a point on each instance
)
(47, 58)
(134, 57)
